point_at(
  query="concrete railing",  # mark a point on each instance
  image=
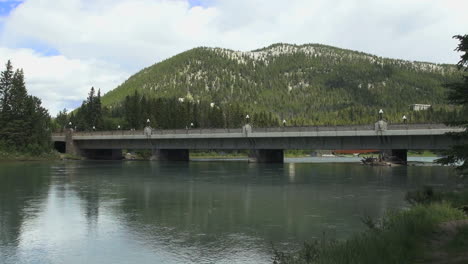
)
(257, 130)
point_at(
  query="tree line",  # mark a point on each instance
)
(24, 123)
(140, 110)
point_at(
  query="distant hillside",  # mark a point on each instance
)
(291, 80)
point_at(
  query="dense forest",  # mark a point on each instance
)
(138, 111)
(304, 85)
(24, 123)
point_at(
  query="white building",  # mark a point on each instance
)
(420, 107)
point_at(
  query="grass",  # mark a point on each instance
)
(227, 155)
(397, 238)
(424, 153)
(459, 244)
(19, 156)
(217, 155)
(70, 157)
(427, 195)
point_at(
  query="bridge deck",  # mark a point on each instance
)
(276, 132)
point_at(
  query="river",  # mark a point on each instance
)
(196, 212)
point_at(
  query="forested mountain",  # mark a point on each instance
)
(309, 82)
(304, 85)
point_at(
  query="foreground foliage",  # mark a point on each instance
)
(398, 238)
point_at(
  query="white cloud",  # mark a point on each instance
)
(60, 81)
(132, 34)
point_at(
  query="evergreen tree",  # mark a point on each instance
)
(6, 84)
(62, 119)
(458, 94)
(24, 123)
(89, 115)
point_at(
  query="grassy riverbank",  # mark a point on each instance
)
(400, 237)
(21, 156)
(217, 155)
(424, 153)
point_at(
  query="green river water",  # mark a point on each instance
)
(196, 212)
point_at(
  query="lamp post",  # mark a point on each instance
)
(94, 128)
(118, 127)
(247, 118)
(284, 122)
(380, 114)
(404, 119)
(191, 125)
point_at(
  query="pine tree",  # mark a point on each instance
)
(25, 124)
(62, 119)
(459, 95)
(6, 84)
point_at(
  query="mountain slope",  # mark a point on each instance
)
(291, 80)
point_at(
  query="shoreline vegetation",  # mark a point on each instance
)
(24, 156)
(433, 230)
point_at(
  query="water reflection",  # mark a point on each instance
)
(201, 212)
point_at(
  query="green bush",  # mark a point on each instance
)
(396, 239)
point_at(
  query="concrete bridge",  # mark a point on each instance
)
(266, 144)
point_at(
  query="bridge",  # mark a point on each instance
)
(266, 144)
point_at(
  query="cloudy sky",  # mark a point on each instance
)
(67, 46)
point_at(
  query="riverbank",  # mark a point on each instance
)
(405, 236)
(20, 156)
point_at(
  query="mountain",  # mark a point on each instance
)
(292, 81)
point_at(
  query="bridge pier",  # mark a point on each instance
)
(267, 156)
(171, 154)
(70, 145)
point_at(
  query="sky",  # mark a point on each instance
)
(67, 46)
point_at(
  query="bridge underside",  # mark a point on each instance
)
(171, 154)
(102, 154)
(267, 156)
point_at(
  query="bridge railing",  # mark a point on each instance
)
(347, 128)
(312, 128)
(257, 130)
(416, 126)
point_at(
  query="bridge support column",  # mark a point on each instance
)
(70, 146)
(267, 156)
(171, 154)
